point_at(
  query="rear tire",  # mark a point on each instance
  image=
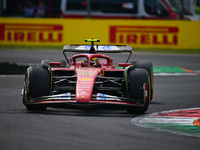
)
(148, 66)
(138, 89)
(37, 83)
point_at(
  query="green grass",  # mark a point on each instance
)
(178, 128)
(170, 51)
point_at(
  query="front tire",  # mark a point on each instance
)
(37, 83)
(148, 66)
(138, 89)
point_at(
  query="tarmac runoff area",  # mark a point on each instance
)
(180, 121)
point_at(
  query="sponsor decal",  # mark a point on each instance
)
(106, 48)
(60, 96)
(41, 33)
(145, 35)
(83, 83)
(87, 73)
(103, 47)
(87, 47)
(184, 121)
(85, 79)
(66, 96)
(103, 97)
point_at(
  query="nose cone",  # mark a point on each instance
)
(85, 83)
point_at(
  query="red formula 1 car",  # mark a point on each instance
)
(89, 79)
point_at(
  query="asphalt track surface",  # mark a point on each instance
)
(95, 129)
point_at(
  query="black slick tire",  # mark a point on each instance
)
(138, 89)
(37, 83)
(148, 66)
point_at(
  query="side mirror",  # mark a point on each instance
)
(124, 64)
(55, 63)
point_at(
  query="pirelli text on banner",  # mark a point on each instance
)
(34, 33)
(147, 35)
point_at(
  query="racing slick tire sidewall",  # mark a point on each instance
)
(137, 79)
(148, 66)
(37, 83)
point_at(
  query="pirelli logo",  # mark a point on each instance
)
(144, 35)
(40, 33)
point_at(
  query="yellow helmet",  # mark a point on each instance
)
(94, 61)
(85, 62)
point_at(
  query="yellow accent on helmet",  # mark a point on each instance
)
(95, 60)
(85, 62)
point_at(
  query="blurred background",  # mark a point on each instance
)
(143, 24)
(122, 9)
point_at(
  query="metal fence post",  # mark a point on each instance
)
(182, 10)
(88, 9)
(1, 8)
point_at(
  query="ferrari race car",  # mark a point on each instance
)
(89, 79)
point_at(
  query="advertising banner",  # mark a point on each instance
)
(146, 34)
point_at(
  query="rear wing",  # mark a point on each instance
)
(98, 48)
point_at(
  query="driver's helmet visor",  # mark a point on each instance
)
(93, 61)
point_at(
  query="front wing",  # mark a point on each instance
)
(99, 99)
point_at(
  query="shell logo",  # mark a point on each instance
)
(85, 79)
